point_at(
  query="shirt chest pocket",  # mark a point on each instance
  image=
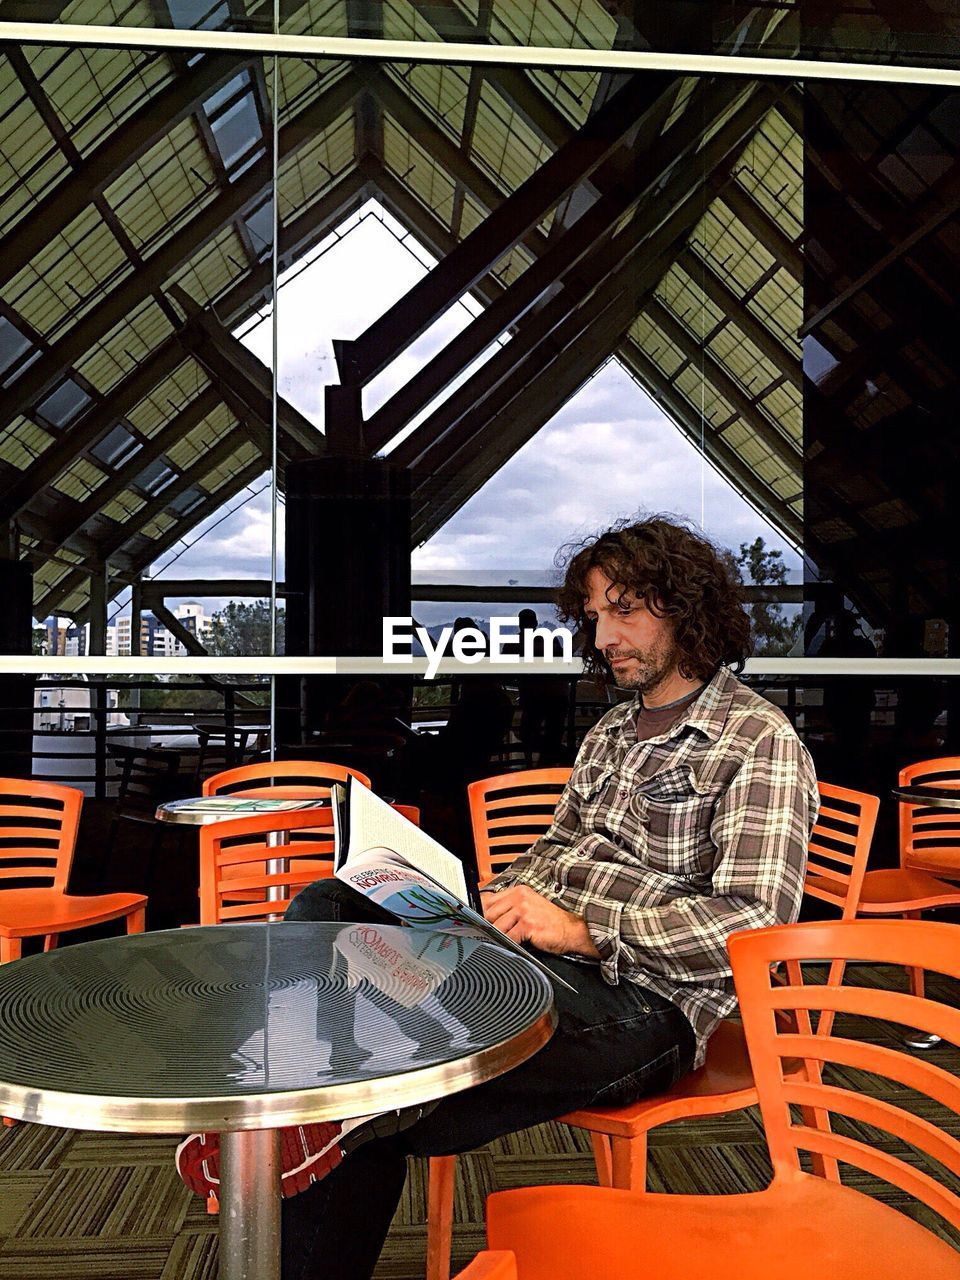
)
(596, 789)
(676, 818)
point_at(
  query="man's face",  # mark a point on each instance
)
(638, 646)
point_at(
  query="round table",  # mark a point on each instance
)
(932, 797)
(244, 1029)
(200, 811)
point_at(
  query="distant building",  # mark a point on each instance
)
(63, 639)
(155, 640)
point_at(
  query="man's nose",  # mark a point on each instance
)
(608, 633)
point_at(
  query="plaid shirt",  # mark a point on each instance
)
(667, 846)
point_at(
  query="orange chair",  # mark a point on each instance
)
(837, 856)
(509, 812)
(929, 841)
(38, 828)
(289, 780)
(930, 838)
(801, 1225)
(233, 863)
(280, 779)
(235, 880)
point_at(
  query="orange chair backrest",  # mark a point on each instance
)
(509, 812)
(930, 838)
(282, 777)
(38, 832)
(840, 846)
(233, 864)
(234, 875)
(764, 1001)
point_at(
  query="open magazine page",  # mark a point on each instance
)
(387, 880)
(372, 823)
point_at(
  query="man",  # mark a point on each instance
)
(686, 818)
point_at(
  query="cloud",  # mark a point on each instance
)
(609, 453)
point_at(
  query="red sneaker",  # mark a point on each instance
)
(308, 1153)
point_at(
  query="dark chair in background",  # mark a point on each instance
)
(149, 776)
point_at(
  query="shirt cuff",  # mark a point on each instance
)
(502, 880)
(603, 925)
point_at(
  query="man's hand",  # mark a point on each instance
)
(526, 916)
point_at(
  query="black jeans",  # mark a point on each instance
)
(612, 1045)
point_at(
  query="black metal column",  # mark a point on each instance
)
(347, 566)
(16, 691)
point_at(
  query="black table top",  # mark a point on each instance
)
(259, 1025)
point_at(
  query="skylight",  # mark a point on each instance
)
(63, 405)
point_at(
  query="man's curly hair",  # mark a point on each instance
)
(678, 574)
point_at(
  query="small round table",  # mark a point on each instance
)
(929, 797)
(244, 1029)
(200, 811)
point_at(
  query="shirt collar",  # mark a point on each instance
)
(707, 713)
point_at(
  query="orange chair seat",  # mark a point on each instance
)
(942, 865)
(893, 890)
(725, 1075)
(800, 1226)
(24, 913)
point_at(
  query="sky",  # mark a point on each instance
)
(610, 451)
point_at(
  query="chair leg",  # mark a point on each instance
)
(601, 1158)
(914, 1039)
(629, 1163)
(50, 941)
(441, 1173)
(136, 920)
(10, 949)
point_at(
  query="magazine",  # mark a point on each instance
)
(240, 806)
(362, 820)
(420, 883)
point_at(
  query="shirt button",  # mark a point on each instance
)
(623, 794)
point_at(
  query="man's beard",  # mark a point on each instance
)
(652, 668)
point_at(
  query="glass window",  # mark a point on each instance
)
(116, 447)
(63, 405)
(260, 225)
(198, 14)
(187, 501)
(230, 90)
(12, 344)
(154, 478)
(237, 131)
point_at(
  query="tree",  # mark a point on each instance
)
(39, 639)
(774, 633)
(243, 630)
